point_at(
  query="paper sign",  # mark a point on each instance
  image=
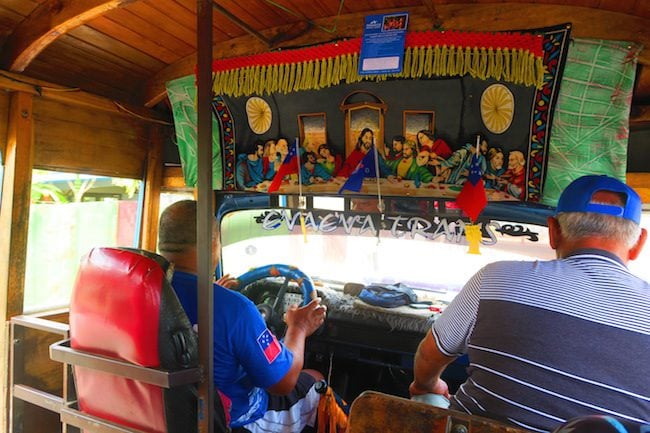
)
(382, 45)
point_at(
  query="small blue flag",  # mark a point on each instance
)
(365, 168)
(475, 172)
(472, 199)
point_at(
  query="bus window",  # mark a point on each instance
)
(335, 255)
(70, 214)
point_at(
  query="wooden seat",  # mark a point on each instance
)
(376, 412)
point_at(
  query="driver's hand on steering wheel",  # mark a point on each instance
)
(228, 282)
(308, 318)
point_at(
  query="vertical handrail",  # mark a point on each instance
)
(205, 215)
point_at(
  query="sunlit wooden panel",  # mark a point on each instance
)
(71, 138)
(169, 18)
(641, 183)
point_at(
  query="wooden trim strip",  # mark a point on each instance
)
(641, 184)
(14, 210)
(17, 82)
(153, 182)
(173, 178)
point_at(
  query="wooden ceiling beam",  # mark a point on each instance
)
(46, 23)
(640, 115)
(436, 22)
(20, 83)
(248, 29)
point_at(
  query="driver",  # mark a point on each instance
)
(553, 340)
(260, 379)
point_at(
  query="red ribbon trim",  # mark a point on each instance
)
(508, 40)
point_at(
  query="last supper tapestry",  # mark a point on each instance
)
(304, 120)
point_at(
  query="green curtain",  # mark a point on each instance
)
(182, 96)
(591, 120)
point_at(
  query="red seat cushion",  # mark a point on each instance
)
(115, 311)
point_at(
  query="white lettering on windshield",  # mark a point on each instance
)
(453, 231)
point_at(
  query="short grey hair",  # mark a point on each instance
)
(577, 225)
(177, 227)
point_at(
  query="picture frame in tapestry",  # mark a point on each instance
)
(313, 130)
(361, 116)
(417, 120)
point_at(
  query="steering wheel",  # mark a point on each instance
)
(273, 313)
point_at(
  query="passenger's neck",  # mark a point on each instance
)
(613, 246)
(185, 262)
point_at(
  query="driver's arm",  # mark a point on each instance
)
(301, 323)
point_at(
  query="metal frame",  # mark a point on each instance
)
(70, 415)
(25, 393)
(89, 423)
(65, 405)
(62, 352)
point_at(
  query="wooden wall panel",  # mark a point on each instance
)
(69, 138)
(4, 121)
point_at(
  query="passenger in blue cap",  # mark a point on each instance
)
(553, 340)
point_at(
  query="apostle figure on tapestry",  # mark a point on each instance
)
(311, 171)
(514, 178)
(407, 167)
(330, 161)
(249, 170)
(395, 148)
(455, 169)
(495, 168)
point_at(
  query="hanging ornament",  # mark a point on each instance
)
(497, 108)
(259, 115)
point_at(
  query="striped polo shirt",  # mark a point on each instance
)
(552, 340)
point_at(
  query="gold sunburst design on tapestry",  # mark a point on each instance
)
(259, 115)
(497, 108)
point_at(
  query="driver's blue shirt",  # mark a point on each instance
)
(247, 357)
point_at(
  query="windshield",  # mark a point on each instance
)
(428, 252)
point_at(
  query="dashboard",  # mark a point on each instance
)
(359, 347)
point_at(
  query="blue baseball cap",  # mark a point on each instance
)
(578, 195)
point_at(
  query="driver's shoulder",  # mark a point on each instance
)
(231, 299)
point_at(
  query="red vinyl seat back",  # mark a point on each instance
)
(123, 307)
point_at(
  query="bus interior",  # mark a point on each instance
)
(111, 110)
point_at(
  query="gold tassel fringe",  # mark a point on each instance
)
(516, 66)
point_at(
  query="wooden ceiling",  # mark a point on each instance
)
(127, 49)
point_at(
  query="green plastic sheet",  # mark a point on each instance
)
(182, 96)
(591, 120)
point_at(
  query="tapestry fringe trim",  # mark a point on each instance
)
(303, 69)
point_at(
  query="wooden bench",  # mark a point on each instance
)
(376, 412)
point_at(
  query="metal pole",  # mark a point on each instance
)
(205, 213)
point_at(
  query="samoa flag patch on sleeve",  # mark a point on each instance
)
(269, 345)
